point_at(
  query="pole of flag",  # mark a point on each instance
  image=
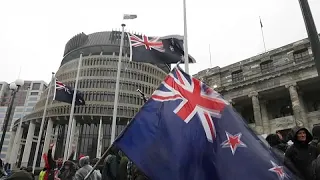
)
(264, 44)
(312, 32)
(185, 38)
(68, 145)
(42, 124)
(116, 96)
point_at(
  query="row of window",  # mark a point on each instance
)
(111, 84)
(112, 61)
(102, 109)
(267, 66)
(112, 73)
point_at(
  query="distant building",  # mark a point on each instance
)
(273, 91)
(97, 81)
(24, 103)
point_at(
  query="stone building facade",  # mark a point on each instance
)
(272, 91)
(97, 81)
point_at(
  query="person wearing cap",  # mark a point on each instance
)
(85, 168)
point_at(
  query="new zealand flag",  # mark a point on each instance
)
(64, 93)
(187, 131)
(156, 50)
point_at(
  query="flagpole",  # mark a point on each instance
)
(312, 32)
(42, 124)
(68, 144)
(185, 38)
(261, 27)
(116, 96)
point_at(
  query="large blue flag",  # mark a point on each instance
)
(187, 131)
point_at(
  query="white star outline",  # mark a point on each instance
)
(282, 175)
(227, 144)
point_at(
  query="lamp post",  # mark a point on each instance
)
(14, 87)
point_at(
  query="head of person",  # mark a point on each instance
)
(301, 135)
(316, 132)
(273, 139)
(84, 160)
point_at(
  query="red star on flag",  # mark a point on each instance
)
(233, 141)
(278, 170)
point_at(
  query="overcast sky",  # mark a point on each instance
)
(33, 33)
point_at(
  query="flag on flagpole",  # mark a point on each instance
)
(64, 93)
(261, 23)
(129, 16)
(187, 131)
(157, 50)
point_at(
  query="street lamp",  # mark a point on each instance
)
(14, 87)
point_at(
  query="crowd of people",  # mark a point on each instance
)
(116, 166)
(301, 157)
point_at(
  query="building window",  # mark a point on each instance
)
(237, 76)
(0, 87)
(34, 93)
(266, 66)
(301, 55)
(35, 86)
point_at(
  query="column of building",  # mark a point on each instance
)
(265, 117)
(10, 145)
(28, 144)
(47, 140)
(298, 112)
(256, 112)
(15, 147)
(55, 138)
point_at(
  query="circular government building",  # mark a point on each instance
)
(97, 81)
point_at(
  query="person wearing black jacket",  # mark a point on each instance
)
(301, 153)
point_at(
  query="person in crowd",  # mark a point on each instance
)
(50, 165)
(42, 173)
(29, 169)
(276, 143)
(122, 169)
(20, 175)
(316, 137)
(93, 163)
(85, 168)
(301, 153)
(3, 173)
(111, 164)
(68, 170)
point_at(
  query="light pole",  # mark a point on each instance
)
(312, 32)
(14, 87)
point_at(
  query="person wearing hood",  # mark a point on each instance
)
(301, 154)
(85, 168)
(68, 170)
(276, 143)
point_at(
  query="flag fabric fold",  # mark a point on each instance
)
(157, 50)
(187, 131)
(64, 93)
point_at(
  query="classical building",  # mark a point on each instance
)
(97, 82)
(272, 91)
(24, 102)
